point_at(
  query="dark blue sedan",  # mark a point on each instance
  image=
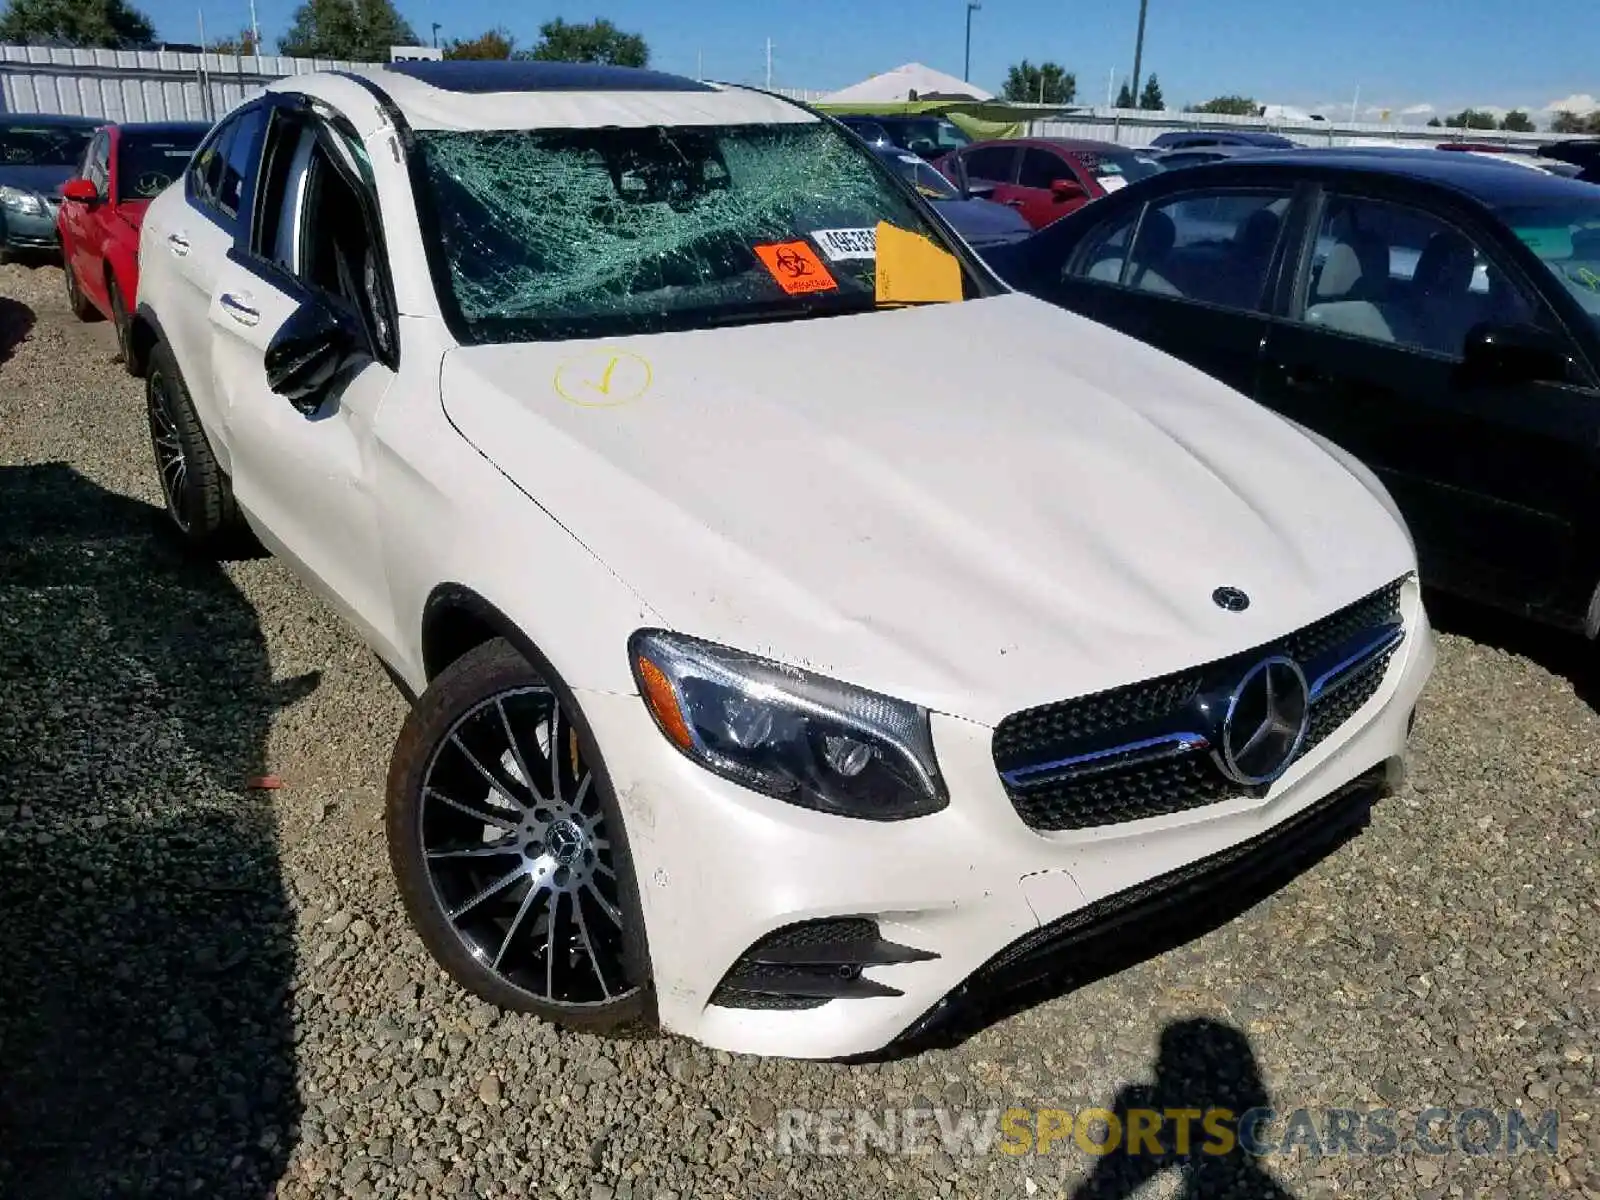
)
(983, 223)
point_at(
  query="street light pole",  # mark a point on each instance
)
(966, 68)
(436, 35)
(1138, 52)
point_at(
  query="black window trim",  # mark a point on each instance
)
(307, 112)
(247, 187)
(100, 140)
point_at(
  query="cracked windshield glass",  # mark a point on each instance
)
(597, 232)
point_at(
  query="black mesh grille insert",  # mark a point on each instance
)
(1187, 781)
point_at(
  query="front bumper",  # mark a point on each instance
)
(24, 231)
(720, 868)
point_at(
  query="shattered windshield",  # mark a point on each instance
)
(595, 232)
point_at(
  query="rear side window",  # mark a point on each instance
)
(1212, 247)
(990, 163)
(1040, 169)
(1105, 250)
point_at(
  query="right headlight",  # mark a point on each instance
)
(19, 201)
(789, 733)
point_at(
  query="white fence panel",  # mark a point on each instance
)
(138, 85)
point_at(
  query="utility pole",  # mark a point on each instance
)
(699, 64)
(1138, 53)
(769, 64)
(435, 35)
(255, 29)
(966, 66)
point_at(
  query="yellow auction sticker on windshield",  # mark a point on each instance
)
(796, 268)
(912, 270)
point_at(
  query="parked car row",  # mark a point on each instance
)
(810, 636)
(1436, 314)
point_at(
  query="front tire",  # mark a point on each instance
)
(508, 848)
(198, 495)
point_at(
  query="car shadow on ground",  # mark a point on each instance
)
(146, 1036)
(16, 322)
(1569, 655)
(1208, 1070)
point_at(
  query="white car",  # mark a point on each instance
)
(806, 632)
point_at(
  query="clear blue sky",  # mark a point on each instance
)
(1400, 53)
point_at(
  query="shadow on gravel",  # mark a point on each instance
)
(146, 1042)
(1132, 935)
(1569, 655)
(1203, 1066)
(16, 322)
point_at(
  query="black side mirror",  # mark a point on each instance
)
(1509, 354)
(307, 352)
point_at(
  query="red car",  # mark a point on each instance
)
(1045, 178)
(123, 169)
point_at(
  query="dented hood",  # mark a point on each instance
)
(976, 506)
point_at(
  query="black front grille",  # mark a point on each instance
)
(1186, 780)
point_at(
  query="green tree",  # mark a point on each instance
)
(1125, 96)
(358, 30)
(1233, 106)
(1151, 98)
(1471, 118)
(494, 43)
(243, 43)
(597, 42)
(1571, 122)
(1435, 123)
(1517, 121)
(1047, 83)
(106, 24)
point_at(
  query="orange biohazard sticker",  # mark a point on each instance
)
(796, 267)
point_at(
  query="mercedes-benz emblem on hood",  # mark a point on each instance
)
(1266, 723)
(1231, 599)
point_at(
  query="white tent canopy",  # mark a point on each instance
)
(897, 85)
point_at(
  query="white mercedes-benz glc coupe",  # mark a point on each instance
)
(805, 633)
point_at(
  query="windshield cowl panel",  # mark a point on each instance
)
(560, 233)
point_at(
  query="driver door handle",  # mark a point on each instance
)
(178, 244)
(239, 308)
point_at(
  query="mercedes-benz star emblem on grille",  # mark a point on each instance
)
(1231, 599)
(1266, 722)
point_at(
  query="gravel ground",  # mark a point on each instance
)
(209, 988)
